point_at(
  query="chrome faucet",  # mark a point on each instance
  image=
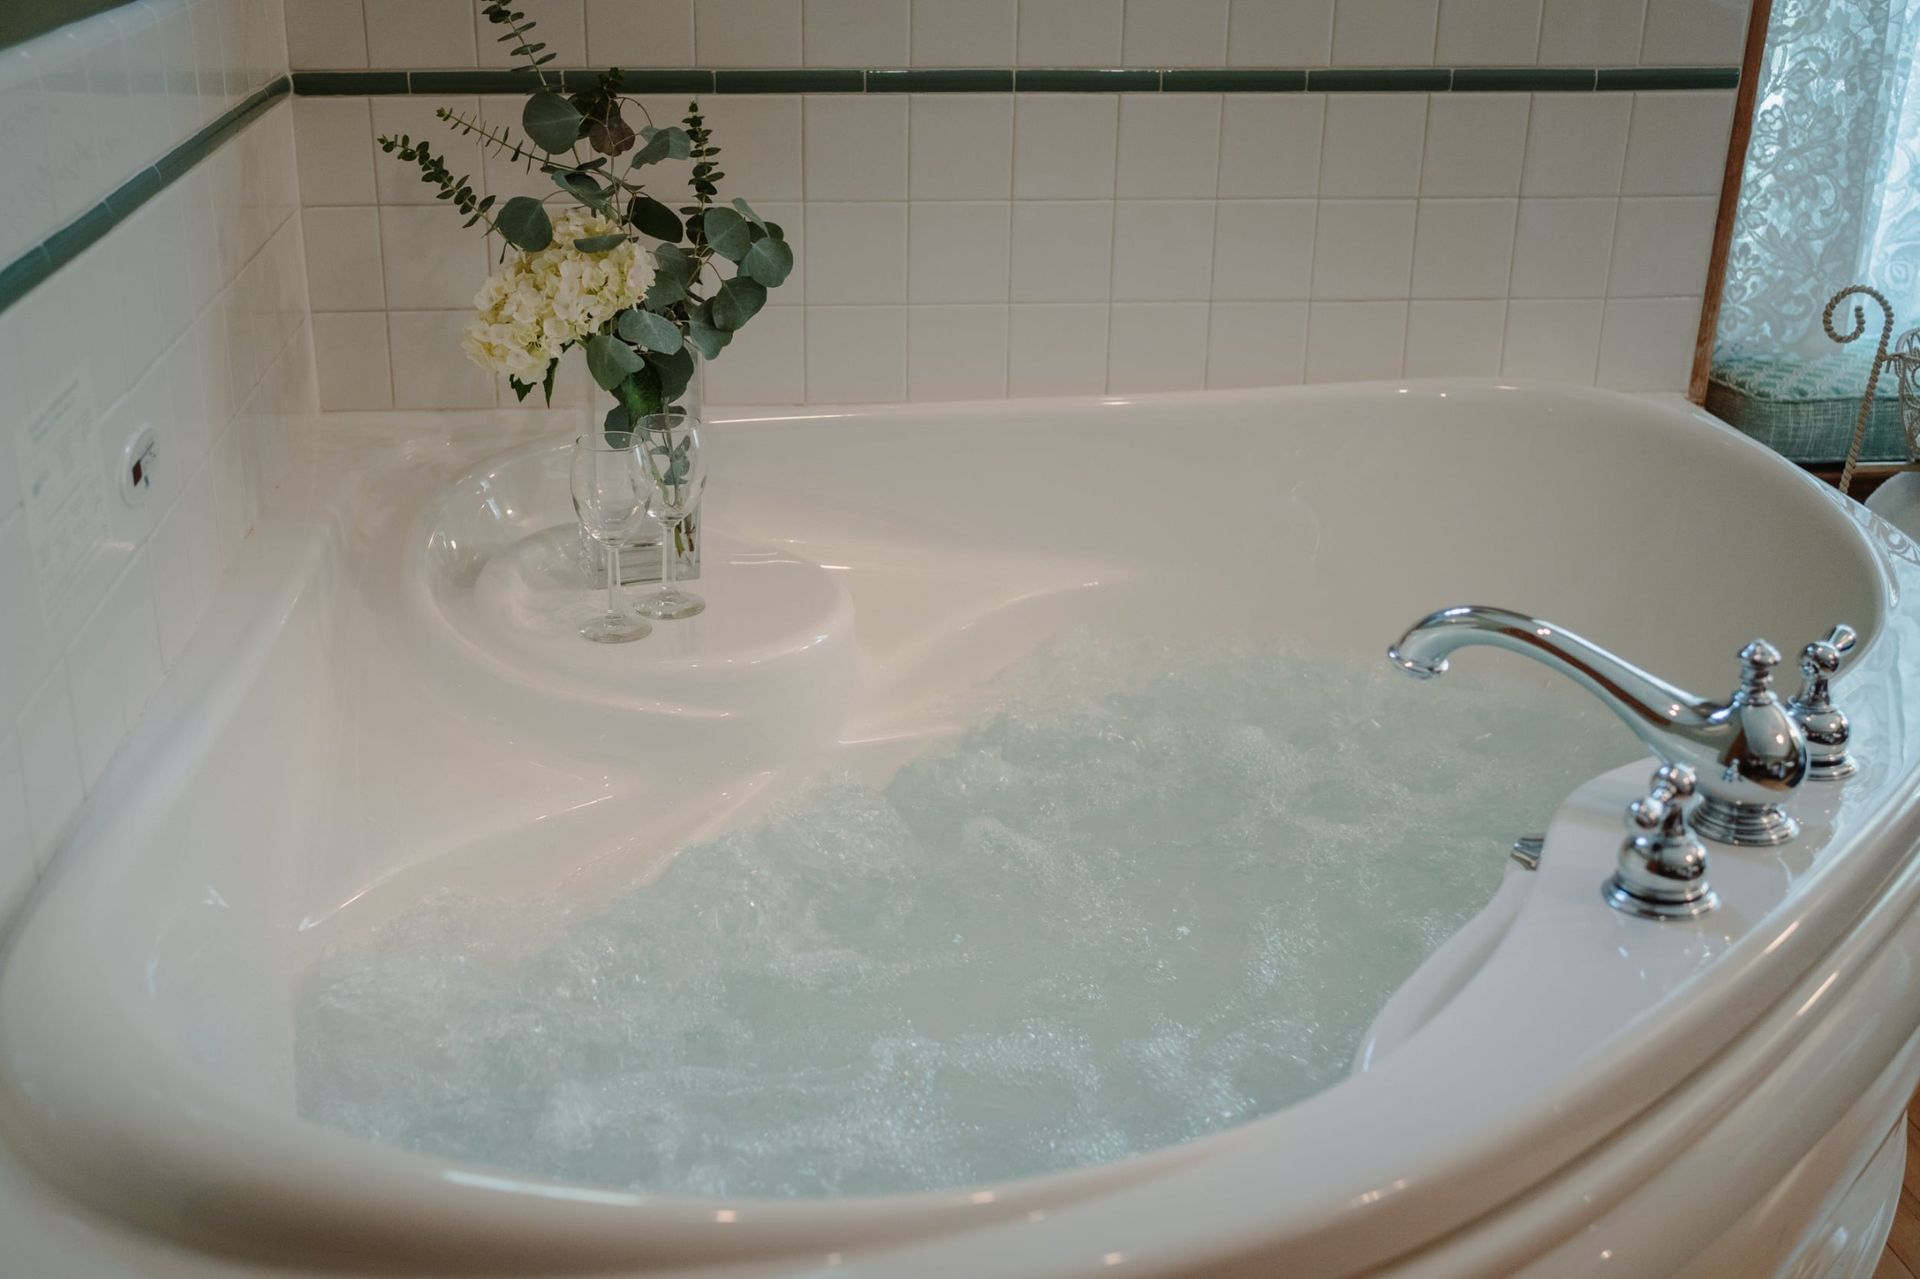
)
(1747, 753)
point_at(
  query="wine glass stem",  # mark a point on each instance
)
(613, 576)
(668, 531)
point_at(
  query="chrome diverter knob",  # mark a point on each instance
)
(1663, 867)
(1824, 724)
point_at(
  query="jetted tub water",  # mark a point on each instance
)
(1148, 893)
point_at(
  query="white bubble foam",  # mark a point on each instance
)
(1152, 893)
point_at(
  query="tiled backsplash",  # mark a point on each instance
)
(189, 315)
(959, 245)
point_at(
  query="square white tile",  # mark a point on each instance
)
(1384, 33)
(428, 261)
(1270, 144)
(50, 756)
(856, 146)
(343, 259)
(1157, 346)
(759, 136)
(1355, 341)
(1463, 248)
(1677, 144)
(960, 146)
(1263, 249)
(1479, 33)
(1174, 33)
(1256, 344)
(350, 354)
(324, 34)
(1646, 344)
(980, 33)
(766, 363)
(856, 354)
(430, 371)
(420, 33)
(1583, 33)
(27, 651)
(1455, 339)
(1695, 33)
(1661, 245)
(1169, 145)
(746, 33)
(1553, 340)
(18, 871)
(1062, 250)
(1162, 250)
(958, 251)
(956, 352)
(1475, 144)
(396, 181)
(856, 253)
(1063, 145)
(855, 33)
(1280, 33)
(1562, 248)
(558, 24)
(640, 33)
(1373, 144)
(1057, 349)
(1363, 249)
(334, 150)
(1070, 33)
(1576, 143)
(170, 559)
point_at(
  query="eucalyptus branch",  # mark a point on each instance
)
(521, 28)
(434, 171)
(498, 142)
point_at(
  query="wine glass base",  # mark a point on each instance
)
(670, 605)
(615, 629)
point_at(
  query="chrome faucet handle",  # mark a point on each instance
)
(1824, 723)
(1663, 866)
(1772, 760)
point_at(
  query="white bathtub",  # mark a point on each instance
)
(1561, 1090)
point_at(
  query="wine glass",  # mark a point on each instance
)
(610, 487)
(676, 471)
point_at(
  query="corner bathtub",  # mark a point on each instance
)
(1560, 1090)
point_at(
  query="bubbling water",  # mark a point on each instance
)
(1149, 893)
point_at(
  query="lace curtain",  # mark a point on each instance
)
(1832, 189)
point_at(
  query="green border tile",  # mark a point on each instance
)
(1523, 80)
(791, 80)
(1622, 78)
(645, 79)
(1233, 80)
(1379, 79)
(136, 191)
(331, 84)
(25, 274)
(476, 80)
(1085, 80)
(941, 80)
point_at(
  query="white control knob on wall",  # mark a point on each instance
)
(136, 465)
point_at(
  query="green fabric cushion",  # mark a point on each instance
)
(1805, 409)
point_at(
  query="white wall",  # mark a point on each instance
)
(1019, 244)
(189, 315)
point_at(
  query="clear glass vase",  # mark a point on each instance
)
(640, 559)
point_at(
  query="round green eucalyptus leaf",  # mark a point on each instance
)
(769, 261)
(551, 121)
(523, 221)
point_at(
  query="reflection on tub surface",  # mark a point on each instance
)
(1149, 893)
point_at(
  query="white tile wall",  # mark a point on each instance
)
(1042, 33)
(206, 341)
(1055, 220)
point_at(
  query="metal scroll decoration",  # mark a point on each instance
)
(1901, 356)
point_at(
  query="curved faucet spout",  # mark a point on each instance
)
(1748, 752)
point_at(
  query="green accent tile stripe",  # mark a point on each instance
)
(1037, 80)
(1379, 80)
(942, 80)
(791, 80)
(1621, 78)
(1233, 80)
(1085, 80)
(26, 272)
(1523, 79)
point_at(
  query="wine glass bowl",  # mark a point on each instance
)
(611, 488)
(676, 472)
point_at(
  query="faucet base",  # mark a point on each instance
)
(1621, 899)
(1751, 825)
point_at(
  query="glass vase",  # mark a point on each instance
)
(640, 560)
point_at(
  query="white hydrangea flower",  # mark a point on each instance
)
(536, 303)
